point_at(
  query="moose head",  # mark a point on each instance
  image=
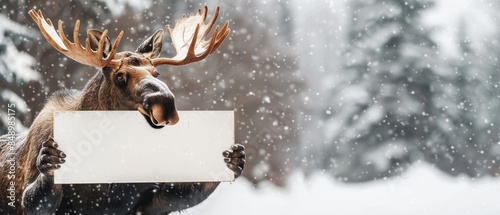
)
(130, 78)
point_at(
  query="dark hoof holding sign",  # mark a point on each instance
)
(50, 158)
(235, 159)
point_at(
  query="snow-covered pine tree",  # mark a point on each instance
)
(455, 119)
(380, 117)
(466, 111)
(16, 69)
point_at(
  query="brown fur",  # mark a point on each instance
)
(29, 144)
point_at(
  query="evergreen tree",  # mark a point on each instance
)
(456, 125)
(16, 69)
(472, 121)
(380, 118)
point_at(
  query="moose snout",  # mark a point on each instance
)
(158, 104)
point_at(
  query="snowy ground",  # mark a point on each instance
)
(422, 190)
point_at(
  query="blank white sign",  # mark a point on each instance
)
(121, 147)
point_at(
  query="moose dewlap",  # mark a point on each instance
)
(121, 147)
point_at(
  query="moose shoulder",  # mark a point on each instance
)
(125, 81)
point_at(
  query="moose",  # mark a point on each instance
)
(124, 81)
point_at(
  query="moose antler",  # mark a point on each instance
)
(75, 50)
(188, 37)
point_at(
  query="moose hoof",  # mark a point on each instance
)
(50, 158)
(235, 159)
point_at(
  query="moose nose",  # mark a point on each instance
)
(160, 108)
(158, 104)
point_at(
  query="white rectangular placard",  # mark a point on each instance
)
(121, 147)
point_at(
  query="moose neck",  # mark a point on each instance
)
(98, 95)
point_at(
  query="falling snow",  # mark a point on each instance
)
(337, 102)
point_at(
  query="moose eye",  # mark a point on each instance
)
(121, 79)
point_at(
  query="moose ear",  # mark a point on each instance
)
(95, 37)
(152, 46)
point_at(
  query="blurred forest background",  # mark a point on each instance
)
(358, 89)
